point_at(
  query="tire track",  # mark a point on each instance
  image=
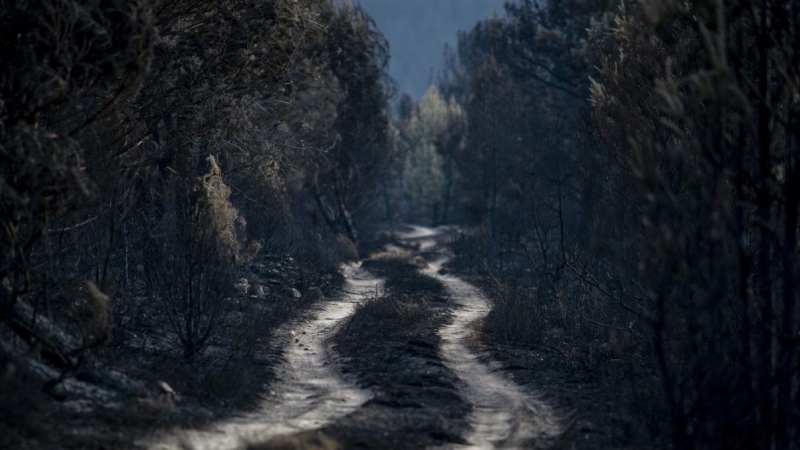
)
(309, 394)
(503, 415)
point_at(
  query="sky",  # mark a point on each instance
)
(417, 31)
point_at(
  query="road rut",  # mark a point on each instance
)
(309, 394)
(504, 416)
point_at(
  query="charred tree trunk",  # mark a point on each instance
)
(764, 251)
(344, 214)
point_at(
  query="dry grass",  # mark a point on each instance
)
(399, 255)
(407, 304)
(389, 255)
(224, 217)
(387, 315)
(403, 277)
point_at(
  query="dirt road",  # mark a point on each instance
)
(311, 393)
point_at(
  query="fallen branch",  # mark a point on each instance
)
(73, 227)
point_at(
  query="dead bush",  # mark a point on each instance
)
(189, 275)
(237, 364)
(317, 263)
(232, 375)
(344, 249)
(516, 315)
(388, 315)
(468, 250)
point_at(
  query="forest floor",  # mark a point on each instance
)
(396, 360)
(208, 390)
(308, 392)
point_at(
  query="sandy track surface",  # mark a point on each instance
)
(503, 414)
(310, 392)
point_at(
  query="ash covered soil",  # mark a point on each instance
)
(397, 359)
(390, 345)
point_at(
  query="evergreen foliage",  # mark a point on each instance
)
(434, 135)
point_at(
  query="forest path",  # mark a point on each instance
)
(504, 416)
(309, 392)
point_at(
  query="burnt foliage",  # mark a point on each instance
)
(152, 153)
